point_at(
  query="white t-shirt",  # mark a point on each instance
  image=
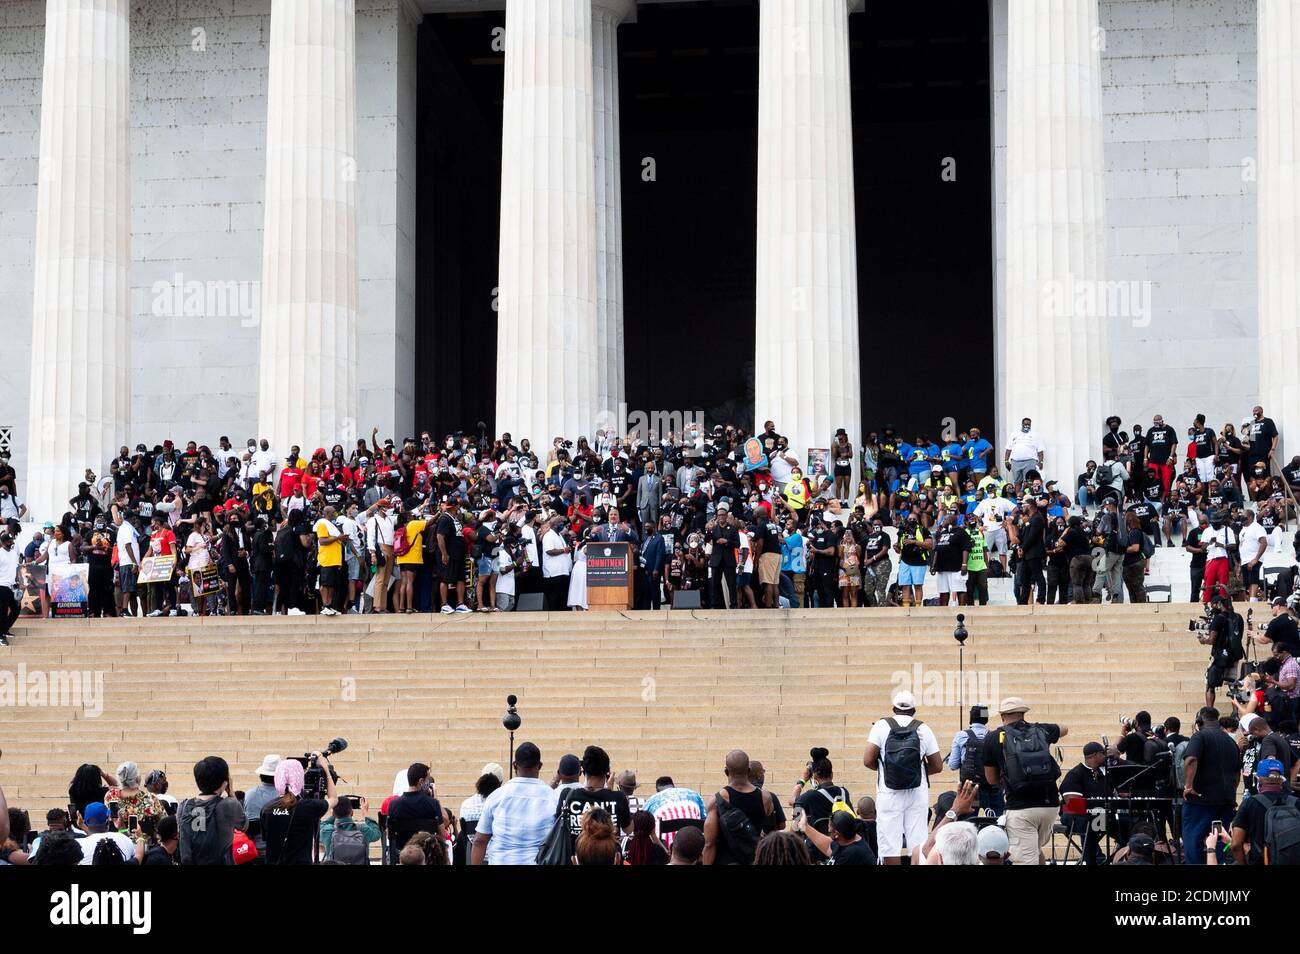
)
(379, 531)
(352, 530)
(198, 557)
(555, 565)
(1022, 446)
(929, 746)
(505, 573)
(90, 841)
(780, 468)
(1216, 542)
(126, 534)
(992, 510)
(1251, 538)
(8, 566)
(264, 463)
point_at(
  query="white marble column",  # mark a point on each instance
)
(80, 405)
(1278, 199)
(1056, 340)
(308, 393)
(547, 375)
(806, 371)
(606, 15)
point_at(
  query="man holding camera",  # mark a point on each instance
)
(1220, 634)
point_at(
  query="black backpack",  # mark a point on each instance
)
(1282, 832)
(737, 830)
(205, 840)
(901, 755)
(972, 761)
(1236, 651)
(1028, 756)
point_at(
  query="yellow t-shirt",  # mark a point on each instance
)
(415, 535)
(328, 554)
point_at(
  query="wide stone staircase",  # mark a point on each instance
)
(666, 693)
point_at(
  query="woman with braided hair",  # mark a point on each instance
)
(781, 848)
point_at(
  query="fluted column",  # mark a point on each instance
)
(606, 15)
(1278, 199)
(546, 329)
(80, 404)
(806, 372)
(308, 393)
(1056, 341)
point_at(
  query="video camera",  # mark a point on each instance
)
(313, 782)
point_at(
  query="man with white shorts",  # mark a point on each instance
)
(992, 510)
(904, 753)
(951, 548)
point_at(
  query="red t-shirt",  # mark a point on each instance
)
(162, 542)
(290, 478)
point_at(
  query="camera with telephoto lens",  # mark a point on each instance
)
(313, 780)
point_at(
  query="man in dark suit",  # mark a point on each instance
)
(653, 555)
(722, 561)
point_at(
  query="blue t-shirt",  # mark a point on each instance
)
(792, 554)
(918, 457)
(974, 452)
(971, 500)
(951, 457)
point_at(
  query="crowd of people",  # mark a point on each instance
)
(470, 523)
(1008, 801)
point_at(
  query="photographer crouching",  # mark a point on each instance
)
(1221, 629)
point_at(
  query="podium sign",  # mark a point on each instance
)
(609, 575)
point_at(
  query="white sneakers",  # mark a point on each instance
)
(294, 611)
(329, 611)
(462, 608)
(446, 608)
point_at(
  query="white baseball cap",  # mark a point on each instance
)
(904, 700)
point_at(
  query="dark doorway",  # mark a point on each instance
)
(689, 104)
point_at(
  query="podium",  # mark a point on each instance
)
(609, 575)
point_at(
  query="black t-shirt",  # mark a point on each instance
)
(410, 806)
(1261, 435)
(1146, 513)
(1283, 631)
(449, 528)
(1251, 817)
(874, 542)
(857, 853)
(576, 801)
(824, 538)
(1203, 441)
(1218, 767)
(289, 832)
(949, 545)
(1161, 442)
(157, 855)
(816, 803)
(1032, 795)
(912, 551)
(1076, 543)
(1134, 538)
(765, 535)
(1193, 538)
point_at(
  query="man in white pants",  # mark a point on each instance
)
(907, 761)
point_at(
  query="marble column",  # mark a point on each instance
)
(1278, 203)
(806, 371)
(606, 15)
(547, 377)
(80, 404)
(308, 393)
(1056, 339)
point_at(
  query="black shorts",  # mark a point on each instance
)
(1252, 575)
(1217, 674)
(451, 570)
(333, 576)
